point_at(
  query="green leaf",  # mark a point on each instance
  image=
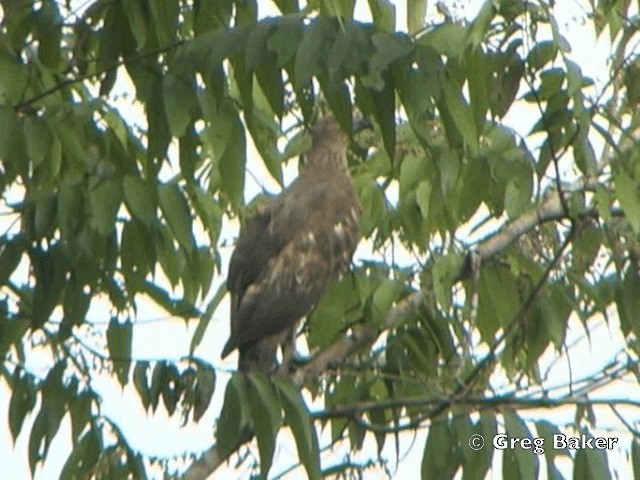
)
(265, 133)
(285, 41)
(299, 420)
(177, 214)
(81, 413)
(445, 271)
(440, 458)
(541, 54)
(159, 135)
(171, 388)
(447, 39)
(104, 202)
(38, 442)
(119, 338)
(165, 21)
(339, 99)
(140, 198)
(628, 302)
(137, 254)
(38, 140)
(267, 419)
(158, 377)
(476, 463)
(498, 300)
(230, 422)
(478, 78)
(141, 384)
(133, 9)
(11, 251)
(45, 212)
(384, 14)
(206, 316)
(629, 197)
(272, 84)
(635, 457)
(460, 112)
(50, 270)
(591, 464)
(179, 103)
(388, 292)
(177, 307)
(13, 81)
(416, 13)
(518, 462)
(384, 113)
(230, 151)
(547, 430)
(481, 23)
(205, 386)
(23, 399)
(70, 211)
(52, 410)
(423, 194)
(287, 6)
(311, 54)
(49, 34)
(84, 457)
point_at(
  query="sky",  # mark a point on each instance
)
(157, 336)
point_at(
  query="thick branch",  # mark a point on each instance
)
(211, 459)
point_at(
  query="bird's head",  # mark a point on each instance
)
(330, 142)
(326, 131)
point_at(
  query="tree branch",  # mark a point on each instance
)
(70, 81)
(486, 402)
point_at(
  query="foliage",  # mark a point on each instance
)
(95, 215)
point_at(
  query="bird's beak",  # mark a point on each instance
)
(362, 123)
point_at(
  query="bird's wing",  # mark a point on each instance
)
(272, 267)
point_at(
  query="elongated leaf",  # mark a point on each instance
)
(298, 419)
(629, 197)
(104, 201)
(177, 214)
(23, 399)
(440, 456)
(81, 413)
(141, 384)
(179, 103)
(384, 14)
(231, 419)
(140, 198)
(461, 113)
(205, 386)
(206, 316)
(267, 419)
(230, 151)
(119, 338)
(416, 12)
(518, 462)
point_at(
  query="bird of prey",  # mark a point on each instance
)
(291, 250)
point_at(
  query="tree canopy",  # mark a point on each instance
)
(515, 238)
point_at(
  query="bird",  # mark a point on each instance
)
(288, 253)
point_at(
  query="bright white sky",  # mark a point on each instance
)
(160, 337)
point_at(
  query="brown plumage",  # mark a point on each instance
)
(291, 250)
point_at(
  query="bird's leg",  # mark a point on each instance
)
(288, 351)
